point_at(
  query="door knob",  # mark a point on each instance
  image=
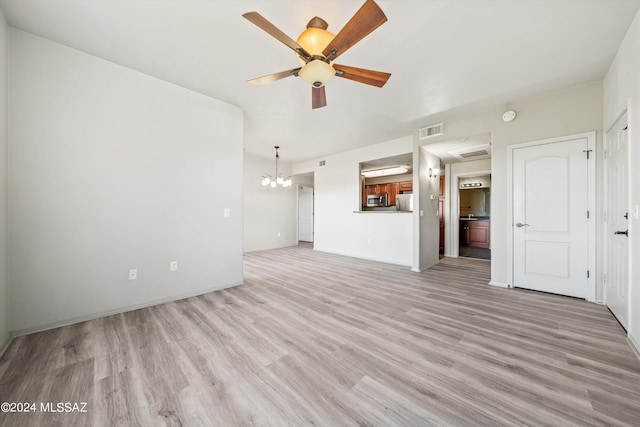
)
(625, 232)
(519, 224)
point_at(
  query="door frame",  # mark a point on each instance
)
(299, 188)
(605, 202)
(591, 206)
(452, 242)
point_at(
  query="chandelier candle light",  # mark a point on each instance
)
(278, 180)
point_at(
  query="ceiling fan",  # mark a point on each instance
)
(317, 48)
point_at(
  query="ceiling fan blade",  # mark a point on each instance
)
(361, 75)
(273, 77)
(261, 22)
(318, 97)
(366, 19)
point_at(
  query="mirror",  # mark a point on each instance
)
(475, 202)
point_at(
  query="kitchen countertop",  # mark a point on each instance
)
(382, 209)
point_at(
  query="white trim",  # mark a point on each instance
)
(376, 259)
(430, 264)
(66, 322)
(499, 284)
(605, 197)
(299, 188)
(631, 316)
(448, 239)
(6, 346)
(453, 230)
(591, 205)
(635, 345)
(592, 196)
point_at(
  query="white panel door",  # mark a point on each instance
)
(617, 267)
(550, 203)
(305, 214)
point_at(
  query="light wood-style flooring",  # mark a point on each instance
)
(320, 339)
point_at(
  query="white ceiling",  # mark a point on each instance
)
(445, 57)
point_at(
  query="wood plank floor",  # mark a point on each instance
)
(320, 339)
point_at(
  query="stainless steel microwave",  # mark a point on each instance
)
(377, 200)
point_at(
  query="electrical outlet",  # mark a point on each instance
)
(227, 212)
(173, 266)
(133, 274)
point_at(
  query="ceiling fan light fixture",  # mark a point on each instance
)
(314, 40)
(316, 72)
(317, 48)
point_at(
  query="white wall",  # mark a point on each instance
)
(270, 214)
(427, 219)
(339, 226)
(4, 287)
(572, 111)
(622, 92)
(111, 170)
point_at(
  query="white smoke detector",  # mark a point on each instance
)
(509, 116)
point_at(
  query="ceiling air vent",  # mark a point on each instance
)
(431, 131)
(472, 153)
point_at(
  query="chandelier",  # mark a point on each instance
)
(278, 180)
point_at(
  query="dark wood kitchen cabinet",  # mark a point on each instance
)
(406, 186)
(382, 188)
(475, 234)
(377, 189)
(392, 189)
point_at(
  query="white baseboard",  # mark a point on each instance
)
(635, 344)
(429, 264)
(351, 255)
(498, 284)
(6, 346)
(65, 322)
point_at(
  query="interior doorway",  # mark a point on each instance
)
(305, 214)
(474, 225)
